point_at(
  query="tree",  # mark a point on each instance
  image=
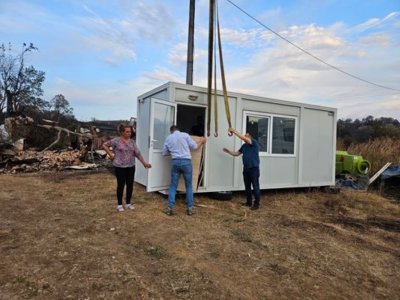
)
(60, 107)
(20, 86)
(369, 128)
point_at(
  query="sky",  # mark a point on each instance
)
(101, 54)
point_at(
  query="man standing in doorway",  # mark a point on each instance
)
(179, 144)
(251, 167)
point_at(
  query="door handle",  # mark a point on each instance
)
(151, 142)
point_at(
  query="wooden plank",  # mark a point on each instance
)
(196, 163)
(373, 178)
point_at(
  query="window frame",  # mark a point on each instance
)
(270, 117)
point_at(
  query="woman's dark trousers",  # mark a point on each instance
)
(124, 176)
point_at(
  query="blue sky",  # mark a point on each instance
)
(102, 54)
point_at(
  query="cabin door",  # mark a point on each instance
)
(162, 116)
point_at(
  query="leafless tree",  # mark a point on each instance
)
(19, 85)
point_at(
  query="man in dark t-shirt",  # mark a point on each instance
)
(251, 167)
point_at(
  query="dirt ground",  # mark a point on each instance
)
(61, 238)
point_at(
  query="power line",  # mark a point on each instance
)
(310, 54)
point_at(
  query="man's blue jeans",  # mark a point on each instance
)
(181, 166)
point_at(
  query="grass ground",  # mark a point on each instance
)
(60, 238)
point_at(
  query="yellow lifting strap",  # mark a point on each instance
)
(211, 47)
(221, 63)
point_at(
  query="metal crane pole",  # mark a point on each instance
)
(211, 24)
(190, 48)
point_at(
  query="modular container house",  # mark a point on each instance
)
(297, 140)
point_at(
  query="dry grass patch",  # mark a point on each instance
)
(61, 238)
(378, 152)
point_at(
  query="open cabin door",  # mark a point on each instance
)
(162, 116)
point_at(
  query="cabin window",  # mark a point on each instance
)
(275, 134)
(163, 118)
(258, 127)
(283, 132)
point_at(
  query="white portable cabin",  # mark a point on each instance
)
(297, 140)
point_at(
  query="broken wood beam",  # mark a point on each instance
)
(87, 135)
(377, 174)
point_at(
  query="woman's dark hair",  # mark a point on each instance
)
(122, 127)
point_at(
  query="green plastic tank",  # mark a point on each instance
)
(353, 164)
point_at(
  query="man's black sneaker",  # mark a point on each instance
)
(246, 204)
(254, 207)
(168, 211)
(190, 211)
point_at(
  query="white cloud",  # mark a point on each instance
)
(116, 100)
(117, 51)
(306, 36)
(391, 16)
(18, 16)
(381, 39)
(392, 104)
(118, 36)
(153, 21)
(390, 107)
(375, 22)
(177, 56)
(276, 69)
(313, 37)
(241, 37)
(257, 61)
(150, 80)
(270, 15)
(284, 72)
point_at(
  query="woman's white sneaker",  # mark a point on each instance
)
(130, 206)
(120, 208)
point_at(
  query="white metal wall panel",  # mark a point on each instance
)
(278, 172)
(190, 96)
(272, 108)
(317, 147)
(163, 95)
(275, 172)
(219, 165)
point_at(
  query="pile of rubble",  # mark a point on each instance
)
(33, 161)
(14, 159)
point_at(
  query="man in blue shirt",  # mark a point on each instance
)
(251, 167)
(179, 144)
